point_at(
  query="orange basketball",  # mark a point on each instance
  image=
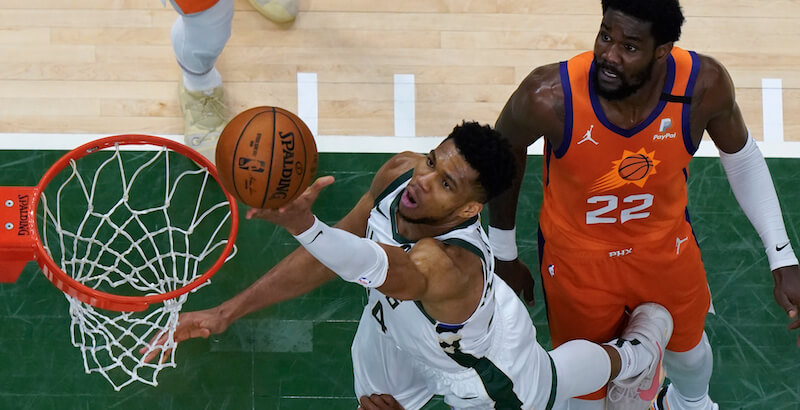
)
(634, 167)
(266, 157)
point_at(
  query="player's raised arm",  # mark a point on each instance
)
(751, 183)
(535, 109)
(298, 273)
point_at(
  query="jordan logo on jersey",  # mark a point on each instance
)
(633, 168)
(588, 137)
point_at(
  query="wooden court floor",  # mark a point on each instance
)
(106, 66)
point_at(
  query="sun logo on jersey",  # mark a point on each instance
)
(633, 168)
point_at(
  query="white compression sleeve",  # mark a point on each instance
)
(752, 185)
(503, 243)
(354, 259)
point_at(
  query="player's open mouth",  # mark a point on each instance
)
(408, 199)
(609, 73)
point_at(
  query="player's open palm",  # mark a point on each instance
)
(517, 275)
(787, 293)
(296, 216)
(202, 323)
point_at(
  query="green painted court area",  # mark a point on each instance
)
(296, 355)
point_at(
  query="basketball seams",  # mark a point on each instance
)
(271, 159)
(640, 161)
(236, 151)
(301, 131)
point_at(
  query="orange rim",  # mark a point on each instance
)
(110, 301)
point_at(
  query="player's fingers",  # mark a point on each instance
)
(389, 401)
(795, 324)
(527, 294)
(785, 303)
(367, 404)
(313, 191)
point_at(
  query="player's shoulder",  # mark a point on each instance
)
(712, 72)
(392, 169)
(714, 88)
(541, 87)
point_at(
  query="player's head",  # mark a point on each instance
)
(634, 35)
(453, 181)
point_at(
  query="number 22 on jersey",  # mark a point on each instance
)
(633, 207)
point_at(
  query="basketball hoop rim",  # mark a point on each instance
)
(102, 299)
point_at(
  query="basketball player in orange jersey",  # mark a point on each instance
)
(198, 37)
(620, 126)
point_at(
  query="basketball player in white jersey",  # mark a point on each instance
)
(438, 320)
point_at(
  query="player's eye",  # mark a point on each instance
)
(631, 48)
(429, 161)
(446, 184)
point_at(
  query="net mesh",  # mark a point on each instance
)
(132, 223)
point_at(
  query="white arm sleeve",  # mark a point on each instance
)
(503, 243)
(354, 259)
(752, 185)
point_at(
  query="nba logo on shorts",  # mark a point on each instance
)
(666, 123)
(551, 269)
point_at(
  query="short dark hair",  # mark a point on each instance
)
(487, 152)
(665, 15)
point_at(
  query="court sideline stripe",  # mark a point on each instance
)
(347, 144)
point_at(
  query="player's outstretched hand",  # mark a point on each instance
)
(202, 323)
(787, 293)
(295, 216)
(517, 275)
(379, 402)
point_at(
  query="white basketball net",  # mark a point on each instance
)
(146, 232)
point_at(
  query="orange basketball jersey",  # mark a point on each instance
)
(607, 187)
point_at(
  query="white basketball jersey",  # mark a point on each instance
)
(441, 345)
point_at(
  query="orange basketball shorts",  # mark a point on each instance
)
(589, 292)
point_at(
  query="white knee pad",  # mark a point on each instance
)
(582, 367)
(690, 371)
(198, 39)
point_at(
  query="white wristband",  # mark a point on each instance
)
(504, 243)
(353, 258)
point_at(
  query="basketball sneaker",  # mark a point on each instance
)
(277, 11)
(203, 117)
(650, 326)
(662, 402)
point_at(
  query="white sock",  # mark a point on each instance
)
(635, 358)
(690, 372)
(203, 82)
(678, 401)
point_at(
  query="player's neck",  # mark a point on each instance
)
(632, 110)
(416, 230)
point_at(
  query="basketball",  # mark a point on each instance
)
(266, 157)
(634, 167)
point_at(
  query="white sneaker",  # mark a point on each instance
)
(203, 119)
(650, 325)
(662, 402)
(277, 11)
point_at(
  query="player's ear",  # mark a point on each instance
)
(470, 209)
(663, 50)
